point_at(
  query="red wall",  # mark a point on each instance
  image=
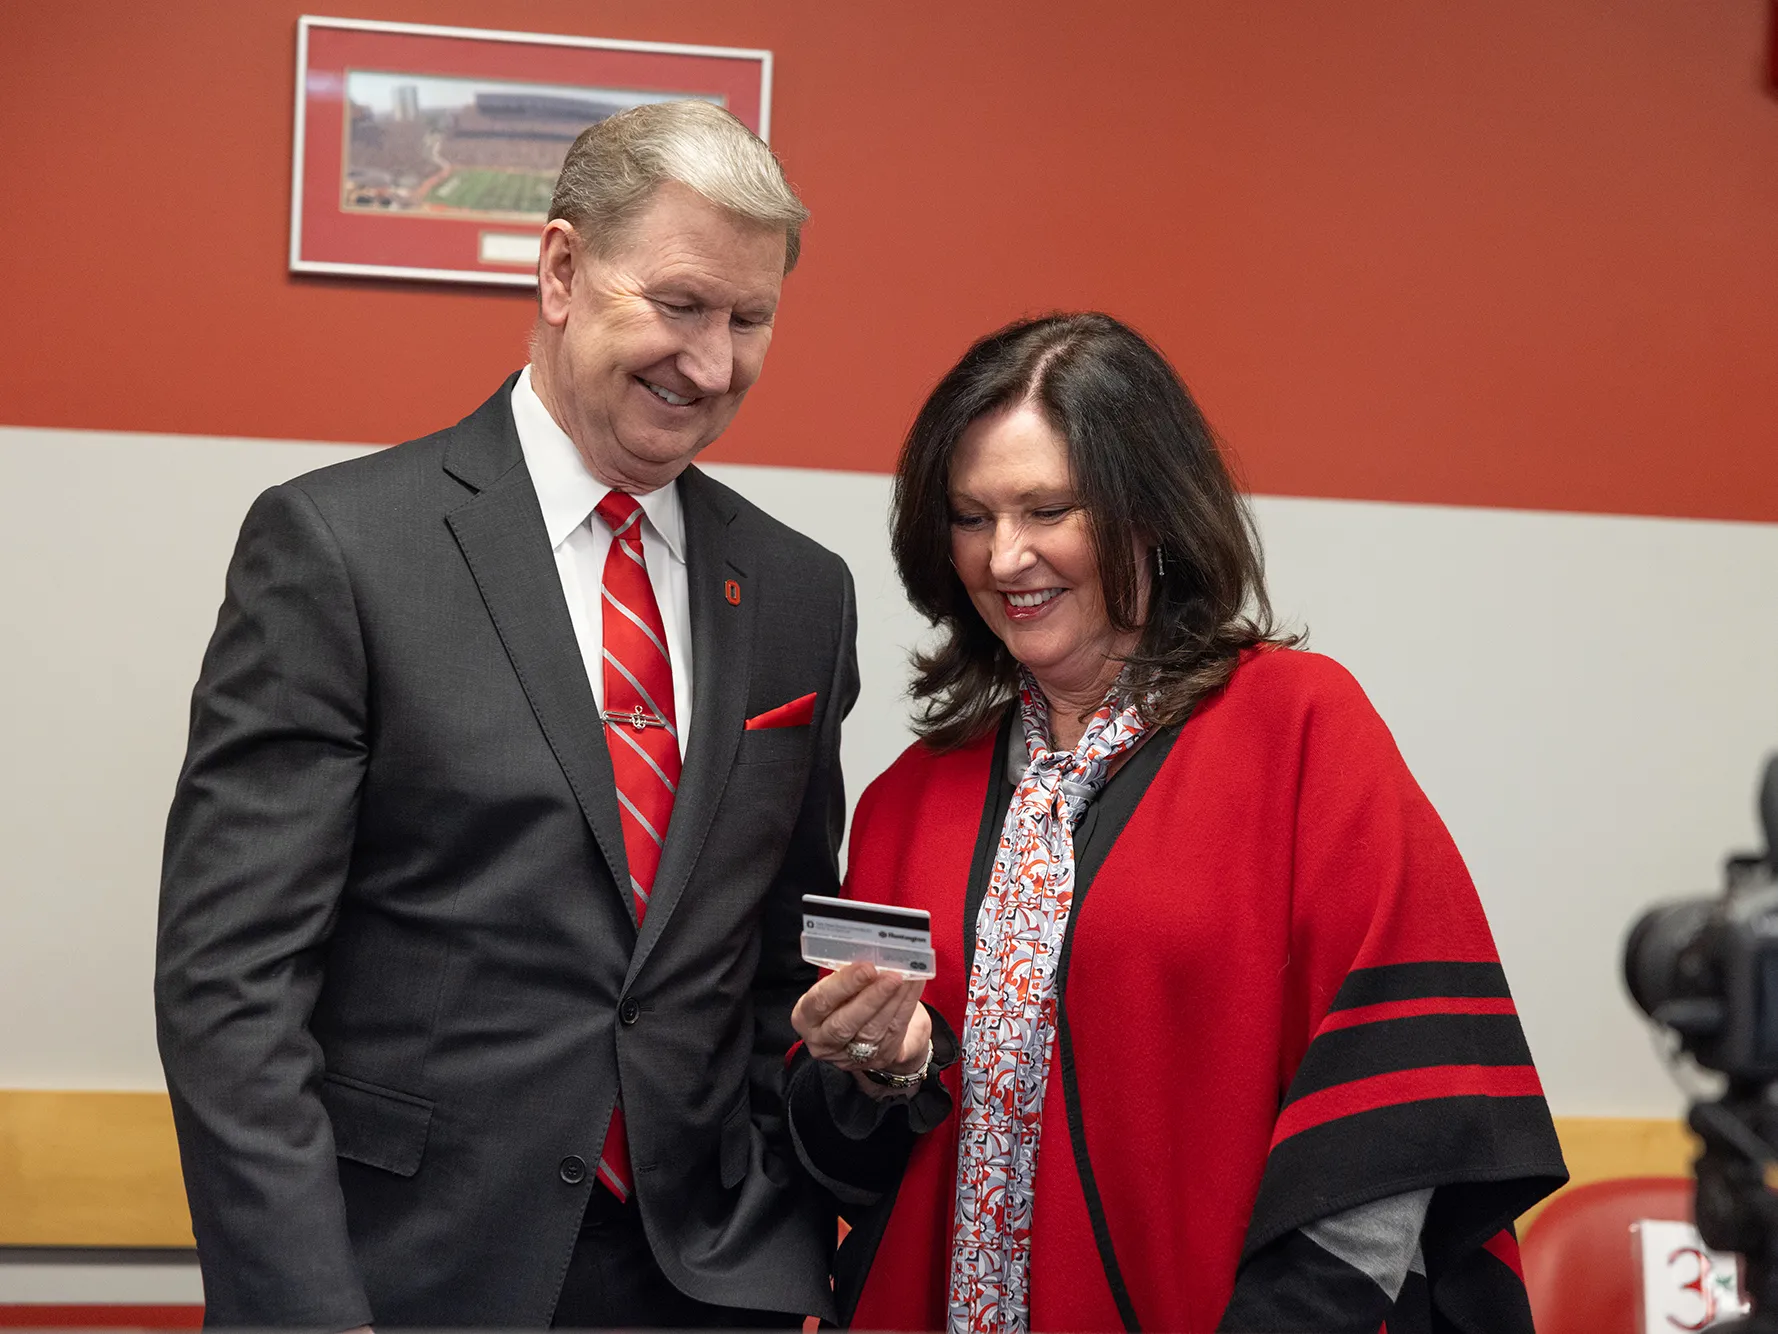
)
(1514, 253)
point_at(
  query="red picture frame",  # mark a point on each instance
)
(428, 152)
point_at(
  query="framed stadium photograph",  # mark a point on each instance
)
(430, 153)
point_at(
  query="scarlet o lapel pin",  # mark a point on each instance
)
(731, 590)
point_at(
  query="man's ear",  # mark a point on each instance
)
(556, 263)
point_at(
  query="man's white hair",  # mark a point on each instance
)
(615, 166)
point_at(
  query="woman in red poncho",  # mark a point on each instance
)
(1218, 1037)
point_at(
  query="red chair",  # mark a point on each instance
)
(1580, 1270)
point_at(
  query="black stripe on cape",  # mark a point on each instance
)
(1420, 1076)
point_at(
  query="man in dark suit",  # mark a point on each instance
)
(510, 759)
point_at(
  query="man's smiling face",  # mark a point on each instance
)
(660, 340)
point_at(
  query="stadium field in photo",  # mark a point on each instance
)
(481, 190)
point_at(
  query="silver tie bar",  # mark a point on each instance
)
(638, 718)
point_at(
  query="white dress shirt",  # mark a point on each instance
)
(568, 493)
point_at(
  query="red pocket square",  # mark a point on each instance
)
(797, 713)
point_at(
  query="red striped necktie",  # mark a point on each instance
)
(642, 734)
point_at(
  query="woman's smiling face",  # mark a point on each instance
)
(1023, 547)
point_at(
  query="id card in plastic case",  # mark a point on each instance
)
(837, 932)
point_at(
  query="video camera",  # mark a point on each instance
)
(1707, 970)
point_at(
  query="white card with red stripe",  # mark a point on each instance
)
(837, 932)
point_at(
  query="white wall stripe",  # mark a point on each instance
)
(57, 1277)
(1586, 699)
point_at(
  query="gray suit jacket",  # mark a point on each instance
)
(398, 988)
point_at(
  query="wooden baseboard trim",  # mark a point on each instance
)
(90, 1169)
(102, 1169)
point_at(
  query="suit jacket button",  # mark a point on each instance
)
(573, 1169)
(629, 1012)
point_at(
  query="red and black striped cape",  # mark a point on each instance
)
(1419, 1072)
(1280, 1000)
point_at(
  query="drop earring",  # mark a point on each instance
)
(1160, 563)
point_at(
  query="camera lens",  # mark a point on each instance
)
(1655, 967)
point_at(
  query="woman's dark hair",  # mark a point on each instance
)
(1143, 461)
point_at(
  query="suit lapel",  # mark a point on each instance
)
(501, 534)
(721, 637)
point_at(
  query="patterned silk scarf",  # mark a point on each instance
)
(1010, 1025)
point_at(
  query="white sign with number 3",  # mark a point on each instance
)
(1686, 1286)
